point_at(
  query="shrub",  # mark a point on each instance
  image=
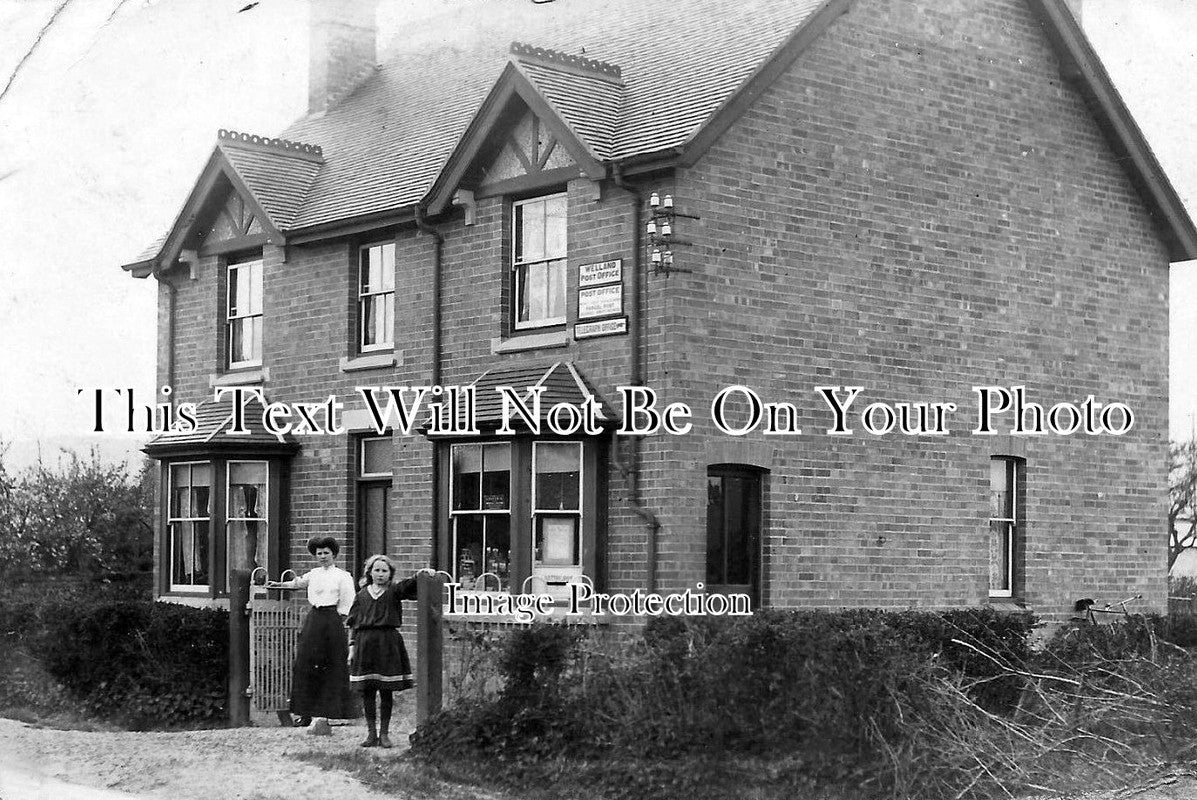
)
(136, 662)
(825, 688)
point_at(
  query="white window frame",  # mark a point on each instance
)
(536, 568)
(456, 513)
(383, 295)
(229, 519)
(247, 315)
(361, 458)
(1012, 468)
(550, 259)
(172, 520)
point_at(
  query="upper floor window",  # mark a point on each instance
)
(538, 262)
(1005, 526)
(245, 314)
(376, 297)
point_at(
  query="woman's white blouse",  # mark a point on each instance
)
(328, 586)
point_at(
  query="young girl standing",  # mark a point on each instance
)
(378, 663)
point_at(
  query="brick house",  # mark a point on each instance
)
(914, 198)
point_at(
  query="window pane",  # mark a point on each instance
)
(189, 553)
(253, 327)
(554, 227)
(235, 292)
(387, 319)
(497, 553)
(999, 555)
(467, 476)
(247, 541)
(716, 569)
(247, 500)
(374, 518)
(1000, 494)
(738, 532)
(555, 289)
(536, 299)
(558, 470)
(468, 549)
(253, 287)
(377, 456)
(530, 221)
(387, 282)
(557, 542)
(496, 479)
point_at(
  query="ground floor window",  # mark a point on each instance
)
(522, 514)
(734, 530)
(221, 514)
(1005, 526)
(374, 473)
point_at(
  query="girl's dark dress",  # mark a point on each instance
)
(379, 657)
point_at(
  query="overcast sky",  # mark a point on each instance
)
(109, 121)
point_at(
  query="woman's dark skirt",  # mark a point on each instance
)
(320, 684)
(380, 661)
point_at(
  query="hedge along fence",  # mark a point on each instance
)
(136, 662)
(817, 685)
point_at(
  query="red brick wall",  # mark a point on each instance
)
(920, 205)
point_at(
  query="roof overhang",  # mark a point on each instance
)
(202, 194)
(1081, 64)
(512, 84)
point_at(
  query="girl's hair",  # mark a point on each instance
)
(316, 542)
(366, 579)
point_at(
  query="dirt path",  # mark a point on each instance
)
(228, 764)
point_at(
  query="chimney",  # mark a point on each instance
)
(342, 51)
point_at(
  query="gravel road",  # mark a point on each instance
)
(226, 764)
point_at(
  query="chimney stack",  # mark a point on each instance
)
(343, 49)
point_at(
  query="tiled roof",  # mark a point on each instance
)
(385, 144)
(589, 103)
(213, 420)
(562, 383)
(279, 179)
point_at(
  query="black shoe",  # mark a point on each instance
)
(385, 741)
(372, 741)
(302, 722)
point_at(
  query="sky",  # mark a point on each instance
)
(109, 120)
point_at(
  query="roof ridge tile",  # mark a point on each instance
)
(273, 144)
(557, 58)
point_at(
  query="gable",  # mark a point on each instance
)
(233, 219)
(527, 150)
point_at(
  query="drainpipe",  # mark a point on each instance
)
(438, 254)
(630, 471)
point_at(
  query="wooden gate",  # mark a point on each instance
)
(273, 632)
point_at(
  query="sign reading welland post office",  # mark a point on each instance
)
(600, 273)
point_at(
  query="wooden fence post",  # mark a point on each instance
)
(239, 647)
(430, 654)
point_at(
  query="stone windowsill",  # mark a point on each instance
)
(531, 341)
(379, 360)
(241, 377)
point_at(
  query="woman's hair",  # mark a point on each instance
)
(316, 542)
(370, 562)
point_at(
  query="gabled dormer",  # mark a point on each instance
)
(246, 197)
(549, 117)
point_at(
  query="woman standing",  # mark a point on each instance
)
(378, 662)
(320, 682)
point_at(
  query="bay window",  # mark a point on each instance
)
(522, 514)
(188, 521)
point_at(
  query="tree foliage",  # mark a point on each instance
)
(1182, 491)
(80, 517)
